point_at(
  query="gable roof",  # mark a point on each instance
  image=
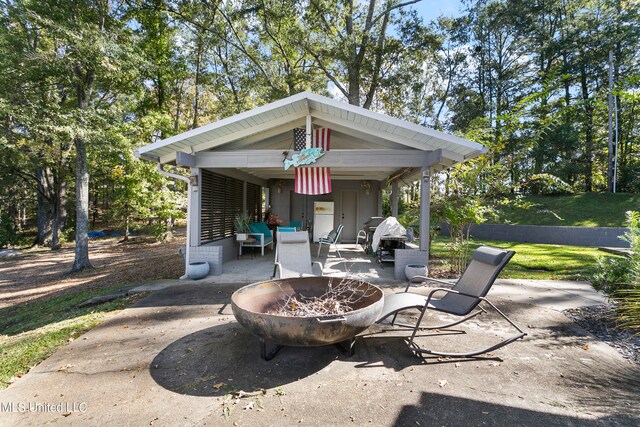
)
(278, 118)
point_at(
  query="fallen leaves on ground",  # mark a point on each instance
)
(230, 401)
(65, 367)
(114, 264)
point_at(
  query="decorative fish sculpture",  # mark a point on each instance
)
(305, 157)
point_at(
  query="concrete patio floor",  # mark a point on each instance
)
(179, 358)
(253, 267)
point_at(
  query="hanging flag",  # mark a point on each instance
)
(321, 139)
(312, 180)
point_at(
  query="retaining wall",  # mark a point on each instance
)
(575, 236)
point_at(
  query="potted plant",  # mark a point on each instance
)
(241, 224)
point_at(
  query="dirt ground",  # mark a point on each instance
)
(42, 273)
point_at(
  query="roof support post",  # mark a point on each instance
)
(308, 132)
(394, 198)
(193, 207)
(425, 209)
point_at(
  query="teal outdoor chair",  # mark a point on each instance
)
(281, 229)
(296, 224)
(262, 235)
(331, 238)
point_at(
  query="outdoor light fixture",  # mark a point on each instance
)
(279, 186)
(366, 186)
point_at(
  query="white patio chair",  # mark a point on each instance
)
(294, 256)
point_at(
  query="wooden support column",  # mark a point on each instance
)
(380, 202)
(425, 209)
(308, 132)
(394, 198)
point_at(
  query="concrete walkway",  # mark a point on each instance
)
(554, 294)
(179, 358)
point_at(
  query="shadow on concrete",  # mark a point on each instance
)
(613, 387)
(436, 409)
(392, 352)
(226, 358)
(191, 294)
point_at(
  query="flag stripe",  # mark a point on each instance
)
(311, 180)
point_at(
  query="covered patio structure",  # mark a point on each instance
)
(237, 166)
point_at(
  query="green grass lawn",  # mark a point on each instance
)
(31, 332)
(536, 261)
(583, 210)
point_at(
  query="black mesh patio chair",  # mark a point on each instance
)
(460, 300)
(331, 238)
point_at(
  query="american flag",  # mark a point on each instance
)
(299, 139)
(313, 180)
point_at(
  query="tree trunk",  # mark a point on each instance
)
(44, 211)
(588, 131)
(62, 205)
(58, 213)
(84, 87)
(196, 86)
(81, 261)
(55, 228)
(126, 229)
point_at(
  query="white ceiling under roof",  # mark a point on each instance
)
(270, 128)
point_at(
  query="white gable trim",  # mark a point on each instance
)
(287, 113)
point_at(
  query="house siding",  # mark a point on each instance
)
(290, 206)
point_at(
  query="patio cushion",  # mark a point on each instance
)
(260, 227)
(487, 255)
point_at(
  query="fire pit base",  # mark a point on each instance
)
(346, 347)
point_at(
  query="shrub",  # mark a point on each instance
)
(619, 277)
(545, 183)
(160, 231)
(460, 213)
(7, 231)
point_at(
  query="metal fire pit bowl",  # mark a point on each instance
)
(251, 303)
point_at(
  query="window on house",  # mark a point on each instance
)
(221, 201)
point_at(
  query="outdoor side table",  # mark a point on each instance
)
(242, 242)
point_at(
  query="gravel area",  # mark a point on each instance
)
(600, 321)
